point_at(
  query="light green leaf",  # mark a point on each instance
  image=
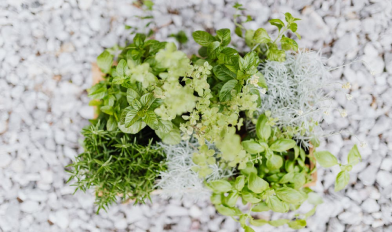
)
(216, 198)
(288, 17)
(325, 158)
(98, 91)
(293, 27)
(252, 147)
(277, 22)
(262, 82)
(203, 38)
(275, 204)
(224, 36)
(171, 138)
(257, 222)
(238, 31)
(122, 68)
(107, 110)
(151, 120)
(314, 198)
(147, 99)
(275, 162)
(219, 186)
(290, 195)
(228, 211)
(298, 35)
(131, 117)
(257, 184)
(282, 145)
(134, 129)
(342, 180)
(165, 126)
(263, 129)
(136, 104)
(104, 61)
(288, 44)
(111, 124)
(354, 156)
(132, 95)
(261, 36)
(279, 222)
(225, 92)
(231, 199)
(239, 182)
(250, 197)
(248, 229)
(297, 224)
(249, 37)
(261, 207)
(288, 177)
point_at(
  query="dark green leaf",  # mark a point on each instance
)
(139, 39)
(203, 38)
(238, 31)
(203, 52)
(225, 92)
(223, 73)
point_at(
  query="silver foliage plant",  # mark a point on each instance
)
(296, 95)
(179, 179)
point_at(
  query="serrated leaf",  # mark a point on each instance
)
(225, 92)
(213, 49)
(139, 39)
(203, 38)
(104, 61)
(224, 36)
(121, 68)
(136, 104)
(223, 73)
(134, 129)
(132, 95)
(288, 44)
(325, 158)
(342, 180)
(151, 120)
(261, 36)
(98, 91)
(131, 118)
(147, 99)
(172, 137)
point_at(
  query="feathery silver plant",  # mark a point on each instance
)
(179, 179)
(296, 96)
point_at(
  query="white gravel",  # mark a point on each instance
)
(46, 50)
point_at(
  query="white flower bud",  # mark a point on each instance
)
(300, 112)
(349, 97)
(346, 86)
(343, 113)
(363, 144)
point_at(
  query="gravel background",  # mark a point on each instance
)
(46, 50)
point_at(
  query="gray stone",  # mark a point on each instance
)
(370, 206)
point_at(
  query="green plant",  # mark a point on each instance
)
(272, 180)
(117, 164)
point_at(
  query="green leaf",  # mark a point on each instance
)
(282, 145)
(225, 92)
(248, 229)
(299, 180)
(288, 44)
(261, 207)
(293, 27)
(257, 184)
(325, 158)
(252, 147)
(263, 129)
(298, 35)
(139, 39)
(216, 198)
(171, 138)
(111, 124)
(203, 38)
(165, 126)
(122, 68)
(136, 104)
(257, 222)
(249, 37)
(261, 36)
(147, 99)
(262, 82)
(279, 222)
(275, 204)
(104, 61)
(297, 224)
(238, 31)
(288, 17)
(231, 199)
(288, 177)
(134, 129)
(342, 180)
(290, 195)
(213, 49)
(203, 52)
(132, 95)
(354, 156)
(219, 186)
(275, 162)
(249, 169)
(314, 198)
(107, 109)
(223, 73)
(228, 211)
(98, 91)
(274, 54)
(277, 22)
(224, 36)
(131, 117)
(250, 197)
(239, 182)
(151, 120)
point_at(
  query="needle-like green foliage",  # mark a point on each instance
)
(117, 164)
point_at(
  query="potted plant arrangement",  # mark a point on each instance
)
(232, 125)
